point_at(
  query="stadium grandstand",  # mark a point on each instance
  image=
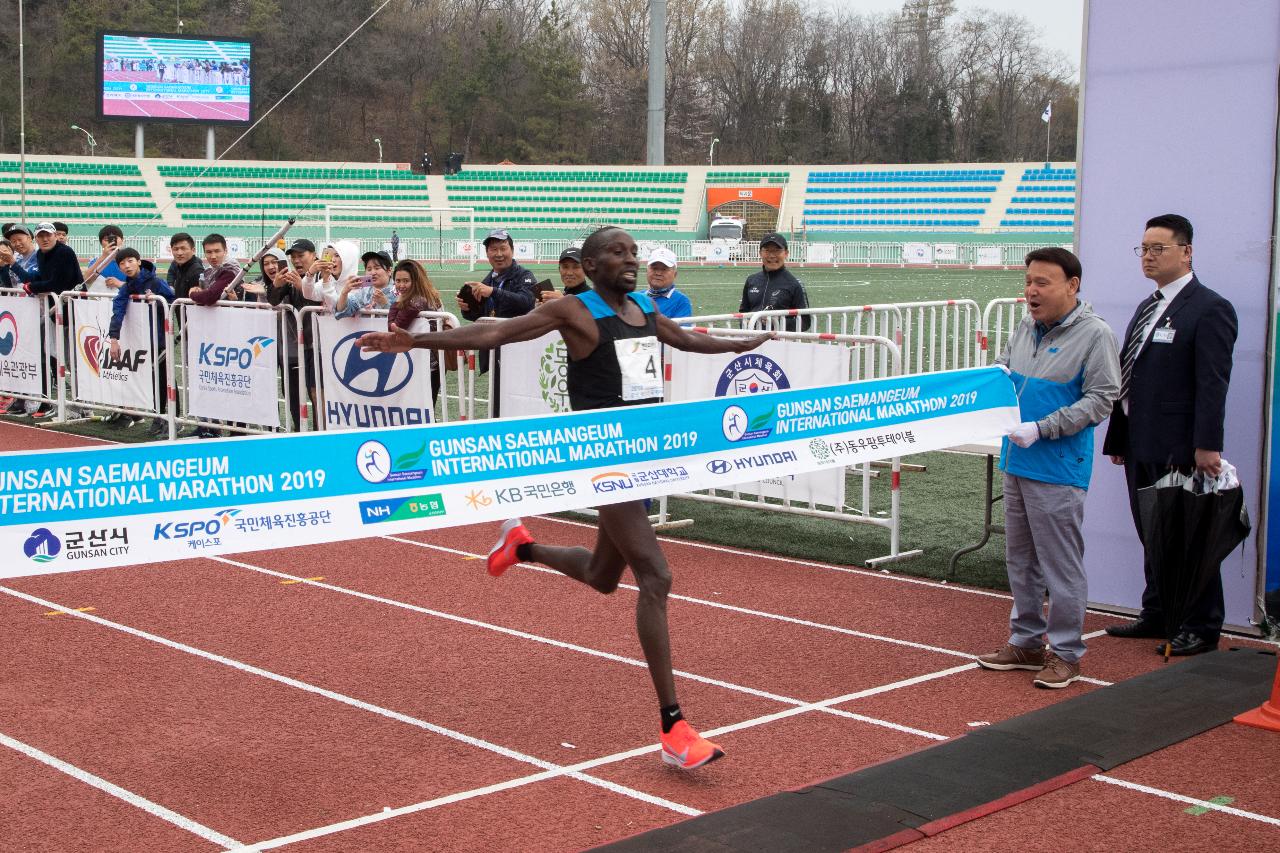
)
(1010, 202)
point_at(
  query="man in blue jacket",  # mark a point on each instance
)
(1064, 365)
(661, 276)
(140, 279)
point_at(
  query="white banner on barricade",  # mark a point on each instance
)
(773, 366)
(534, 377)
(370, 389)
(917, 253)
(232, 365)
(946, 251)
(525, 250)
(20, 352)
(128, 381)
(465, 248)
(95, 507)
(989, 256)
(821, 253)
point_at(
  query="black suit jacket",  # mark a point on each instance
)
(1178, 392)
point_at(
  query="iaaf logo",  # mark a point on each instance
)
(377, 374)
(8, 333)
(195, 528)
(751, 374)
(217, 355)
(91, 343)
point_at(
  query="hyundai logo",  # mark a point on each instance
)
(718, 466)
(378, 374)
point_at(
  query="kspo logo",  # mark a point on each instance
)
(217, 355)
(195, 529)
(8, 333)
(377, 374)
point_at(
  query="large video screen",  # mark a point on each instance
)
(150, 77)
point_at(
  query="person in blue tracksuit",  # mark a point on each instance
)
(1063, 361)
(140, 279)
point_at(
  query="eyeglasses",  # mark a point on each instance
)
(1156, 251)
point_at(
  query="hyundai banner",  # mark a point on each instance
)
(127, 381)
(96, 507)
(232, 359)
(20, 351)
(370, 389)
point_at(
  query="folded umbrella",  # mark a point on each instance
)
(1190, 524)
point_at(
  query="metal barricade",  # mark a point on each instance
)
(999, 319)
(30, 317)
(864, 513)
(85, 347)
(938, 335)
(218, 363)
(883, 320)
(461, 395)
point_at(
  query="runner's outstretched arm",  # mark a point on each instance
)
(535, 324)
(681, 338)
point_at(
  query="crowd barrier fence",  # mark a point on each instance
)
(24, 374)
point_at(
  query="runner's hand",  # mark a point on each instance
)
(395, 339)
(747, 344)
(1004, 367)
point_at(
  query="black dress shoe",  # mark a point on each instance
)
(1188, 643)
(1139, 628)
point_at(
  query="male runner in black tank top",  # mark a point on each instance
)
(590, 324)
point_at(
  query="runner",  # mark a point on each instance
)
(603, 372)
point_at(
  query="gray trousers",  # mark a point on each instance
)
(1044, 550)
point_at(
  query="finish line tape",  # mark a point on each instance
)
(96, 507)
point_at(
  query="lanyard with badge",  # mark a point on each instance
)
(1163, 334)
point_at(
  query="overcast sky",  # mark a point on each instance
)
(1061, 22)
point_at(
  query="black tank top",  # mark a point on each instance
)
(595, 382)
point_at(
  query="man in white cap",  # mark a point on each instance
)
(670, 302)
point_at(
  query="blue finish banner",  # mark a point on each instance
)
(97, 507)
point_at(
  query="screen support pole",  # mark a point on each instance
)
(209, 153)
(139, 138)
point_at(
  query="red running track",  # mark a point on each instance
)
(226, 702)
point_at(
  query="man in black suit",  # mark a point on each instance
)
(1174, 370)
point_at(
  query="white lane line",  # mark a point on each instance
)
(1192, 801)
(573, 647)
(135, 800)
(763, 614)
(616, 758)
(250, 669)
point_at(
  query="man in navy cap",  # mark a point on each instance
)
(509, 290)
(774, 288)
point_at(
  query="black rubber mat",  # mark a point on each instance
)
(935, 787)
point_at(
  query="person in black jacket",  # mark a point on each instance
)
(186, 269)
(57, 270)
(509, 290)
(774, 288)
(1175, 367)
(286, 289)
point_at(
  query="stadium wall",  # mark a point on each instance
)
(1179, 115)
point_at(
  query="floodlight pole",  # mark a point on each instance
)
(711, 157)
(89, 140)
(210, 149)
(378, 142)
(657, 125)
(22, 117)
(139, 141)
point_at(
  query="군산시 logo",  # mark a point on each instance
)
(751, 374)
(42, 545)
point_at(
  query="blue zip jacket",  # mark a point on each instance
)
(144, 282)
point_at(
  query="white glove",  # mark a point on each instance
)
(1004, 367)
(1025, 434)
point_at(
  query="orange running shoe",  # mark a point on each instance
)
(502, 555)
(687, 749)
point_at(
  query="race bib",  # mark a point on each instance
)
(640, 362)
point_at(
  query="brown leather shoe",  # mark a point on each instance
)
(1013, 657)
(1057, 672)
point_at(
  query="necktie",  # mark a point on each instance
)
(1134, 343)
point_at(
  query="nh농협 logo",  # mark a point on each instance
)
(370, 374)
